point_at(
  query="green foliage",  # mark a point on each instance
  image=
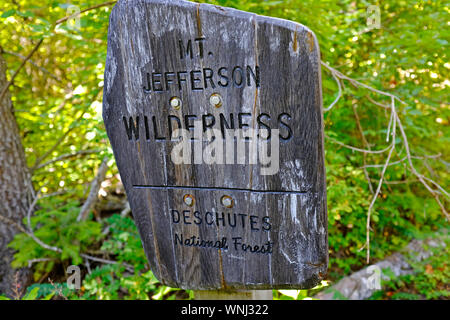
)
(55, 224)
(111, 282)
(430, 278)
(32, 294)
(106, 282)
(115, 281)
(344, 189)
(57, 103)
(125, 242)
(299, 294)
(62, 98)
(290, 294)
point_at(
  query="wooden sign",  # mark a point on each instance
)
(215, 119)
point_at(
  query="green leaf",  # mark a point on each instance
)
(32, 295)
(49, 296)
(26, 14)
(8, 13)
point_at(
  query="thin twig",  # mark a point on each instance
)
(366, 144)
(67, 156)
(31, 261)
(356, 83)
(377, 103)
(394, 121)
(3, 92)
(57, 289)
(33, 64)
(76, 14)
(382, 165)
(30, 229)
(358, 149)
(414, 171)
(93, 194)
(437, 185)
(62, 138)
(380, 183)
(396, 181)
(402, 160)
(17, 290)
(339, 89)
(56, 144)
(88, 266)
(12, 223)
(125, 210)
(31, 234)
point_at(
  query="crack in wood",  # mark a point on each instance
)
(166, 187)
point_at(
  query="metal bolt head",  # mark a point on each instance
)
(189, 200)
(227, 201)
(175, 103)
(215, 100)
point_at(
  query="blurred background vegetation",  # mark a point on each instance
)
(57, 99)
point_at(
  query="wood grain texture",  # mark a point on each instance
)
(145, 62)
(15, 189)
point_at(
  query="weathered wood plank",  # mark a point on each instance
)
(265, 73)
(234, 295)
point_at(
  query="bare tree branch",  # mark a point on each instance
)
(396, 181)
(31, 261)
(61, 139)
(3, 92)
(339, 87)
(126, 210)
(28, 57)
(366, 144)
(31, 234)
(402, 160)
(377, 192)
(66, 156)
(56, 144)
(358, 149)
(33, 64)
(393, 123)
(30, 229)
(417, 174)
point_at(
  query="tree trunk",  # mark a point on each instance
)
(15, 190)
